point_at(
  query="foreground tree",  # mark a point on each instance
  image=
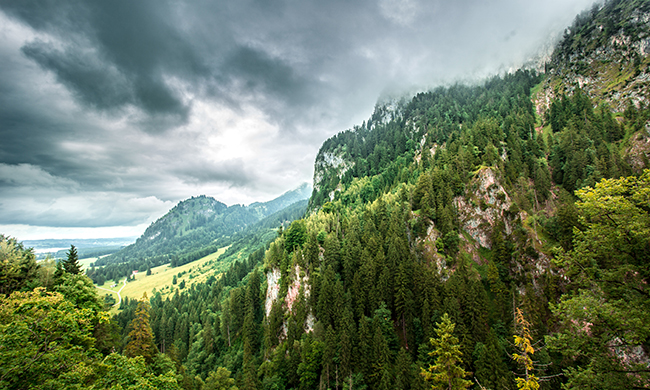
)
(18, 268)
(121, 372)
(45, 341)
(80, 290)
(606, 317)
(446, 373)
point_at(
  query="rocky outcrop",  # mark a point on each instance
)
(327, 164)
(484, 204)
(272, 289)
(299, 279)
(299, 283)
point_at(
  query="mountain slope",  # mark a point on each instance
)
(605, 53)
(194, 224)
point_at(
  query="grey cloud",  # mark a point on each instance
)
(267, 76)
(231, 172)
(114, 54)
(282, 56)
(140, 74)
(95, 82)
(65, 203)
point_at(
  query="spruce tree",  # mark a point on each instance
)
(71, 264)
(402, 370)
(447, 372)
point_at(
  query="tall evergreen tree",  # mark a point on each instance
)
(141, 342)
(447, 373)
(71, 264)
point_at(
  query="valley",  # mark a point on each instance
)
(165, 280)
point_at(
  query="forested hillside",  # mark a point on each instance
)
(472, 236)
(197, 227)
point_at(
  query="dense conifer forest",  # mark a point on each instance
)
(461, 238)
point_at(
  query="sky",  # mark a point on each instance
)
(111, 112)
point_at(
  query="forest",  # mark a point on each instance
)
(457, 239)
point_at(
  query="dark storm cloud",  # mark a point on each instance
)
(233, 171)
(267, 76)
(112, 54)
(94, 81)
(122, 100)
(279, 54)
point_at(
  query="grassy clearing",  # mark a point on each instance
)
(85, 263)
(161, 278)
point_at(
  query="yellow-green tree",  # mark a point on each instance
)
(447, 373)
(141, 342)
(605, 316)
(219, 380)
(523, 343)
(18, 268)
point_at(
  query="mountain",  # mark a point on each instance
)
(288, 198)
(197, 223)
(605, 55)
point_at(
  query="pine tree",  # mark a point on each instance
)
(491, 371)
(447, 372)
(402, 370)
(403, 298)
(71, 264)
(141, 342)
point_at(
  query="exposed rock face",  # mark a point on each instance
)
(430, 250)
(299, 280)
(272, 289)
(484, 204)
(327, 164)
(608, 62)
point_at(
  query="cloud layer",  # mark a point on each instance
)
(112, 111)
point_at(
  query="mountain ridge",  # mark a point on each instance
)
(197, 222)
